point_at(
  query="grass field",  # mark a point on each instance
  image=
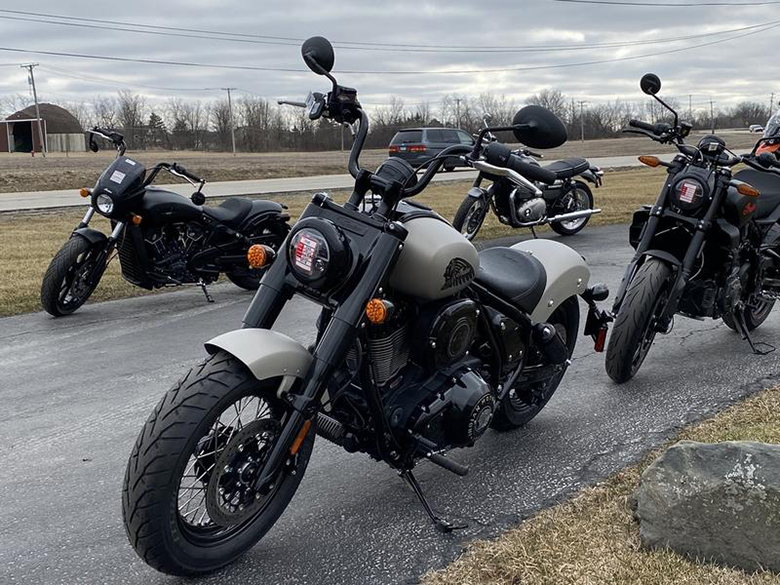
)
(594, 539)
(28, 240)
(21, 172)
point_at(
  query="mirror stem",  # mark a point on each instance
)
(670, 108)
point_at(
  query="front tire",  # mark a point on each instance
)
(635, 324)
(470, 216)
(523, 404)
(66, 285)
(579, 198)
(183, 449)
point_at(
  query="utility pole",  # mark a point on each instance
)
(457, 106)
(31, 80)
(582, 122)
(712, 115)
(690, 107)
(230, 110)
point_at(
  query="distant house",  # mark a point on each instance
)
(62, 131)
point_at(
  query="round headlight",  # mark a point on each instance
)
(309, 254)
(104, 204)
(688, 194)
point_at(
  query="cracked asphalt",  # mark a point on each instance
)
(75, 392)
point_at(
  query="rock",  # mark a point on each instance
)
(719, 502)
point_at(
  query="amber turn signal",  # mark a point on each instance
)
(376, 311)
(301, 436)
(257, 256)
(748, 190)
(84, 192)
(650, 161)
(136, 219)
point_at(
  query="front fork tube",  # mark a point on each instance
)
(105, 253)
(331, 350)
(87, 217)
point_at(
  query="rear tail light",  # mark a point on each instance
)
(394, 149)
(417, 148)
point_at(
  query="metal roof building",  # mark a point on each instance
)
(62, 131)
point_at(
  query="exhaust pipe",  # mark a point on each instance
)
(573, 215)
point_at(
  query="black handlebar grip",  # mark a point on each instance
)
(500, 155)
(642, 125)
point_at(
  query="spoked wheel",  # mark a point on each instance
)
(188, 502)
(71, 277)
(637, 320)
(754, 315)
(579, 198)
(523, 403)
(470, 216)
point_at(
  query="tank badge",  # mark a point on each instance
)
(458, 273)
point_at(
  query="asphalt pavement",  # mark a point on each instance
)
(76, 390)
(70, 197)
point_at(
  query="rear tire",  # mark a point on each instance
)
(754, 317)
(470, 216)
(634, 329)
(521, 405)
(64, 288)
(584, 201)
(249, 279)
(186, 426)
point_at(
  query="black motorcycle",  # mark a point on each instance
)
(162, 238)
(422, 344)
(709, 247)
(566, 205)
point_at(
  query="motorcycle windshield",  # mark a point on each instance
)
(124, 176)
(772, 129)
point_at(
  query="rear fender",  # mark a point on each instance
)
(263, 212)
(93, 236)
(567, 274)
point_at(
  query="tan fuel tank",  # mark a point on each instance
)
(436, 260)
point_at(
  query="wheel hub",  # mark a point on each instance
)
(230, 497)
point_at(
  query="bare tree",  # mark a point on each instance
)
(105, 112)
(130, 116)
(553, 100)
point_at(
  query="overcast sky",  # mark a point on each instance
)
(743, 68)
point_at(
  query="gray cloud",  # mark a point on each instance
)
(729, 72)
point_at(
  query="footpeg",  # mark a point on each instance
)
(448, 464)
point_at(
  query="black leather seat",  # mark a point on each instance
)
(515, 276)
(231, 211)
(768, 184)
(570, 167)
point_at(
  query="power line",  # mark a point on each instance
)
(88, 23)
(364, 72)
(115, 82)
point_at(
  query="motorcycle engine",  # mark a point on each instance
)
(167, 248)
(531, 210)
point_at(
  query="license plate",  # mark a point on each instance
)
(403, 148)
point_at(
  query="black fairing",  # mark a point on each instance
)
(160, 206)
(123, 181)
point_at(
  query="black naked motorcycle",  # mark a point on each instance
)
(709, 247)
(422, 344)
(566, 205)
(162, 238)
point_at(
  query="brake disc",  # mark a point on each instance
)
(230, 498)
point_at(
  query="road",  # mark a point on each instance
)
(77, 390)
(69, 197)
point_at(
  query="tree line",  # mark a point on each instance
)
(261, 125)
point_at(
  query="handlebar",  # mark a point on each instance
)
(642, 126)
(111, 135)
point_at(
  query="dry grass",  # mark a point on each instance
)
(593, 538)
(29, 240)
(21, 172)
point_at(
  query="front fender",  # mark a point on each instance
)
(267, 353)
(477, 193)
(93, 236)
(567, 274)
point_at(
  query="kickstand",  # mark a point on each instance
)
(739, 321)
(202, 285)
(533, 232)
(441, 524)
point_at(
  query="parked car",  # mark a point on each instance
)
(417, 146)
(756, 128)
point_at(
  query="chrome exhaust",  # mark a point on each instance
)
(562, 217)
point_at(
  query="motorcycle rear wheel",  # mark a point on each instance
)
(521, 405)
(470, 216)
(584, 200)
(754, 316)
(185, 453)
(66, 285)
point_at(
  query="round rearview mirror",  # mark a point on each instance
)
(318, 55)
(198, 198)
(650, 83)
(540, 128)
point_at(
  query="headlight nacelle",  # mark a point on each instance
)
(318, 253)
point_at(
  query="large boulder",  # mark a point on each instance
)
(719, 502)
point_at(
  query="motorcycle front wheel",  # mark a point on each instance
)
(70, 278)
(187, 501)
(470, 216)
(636, 321)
